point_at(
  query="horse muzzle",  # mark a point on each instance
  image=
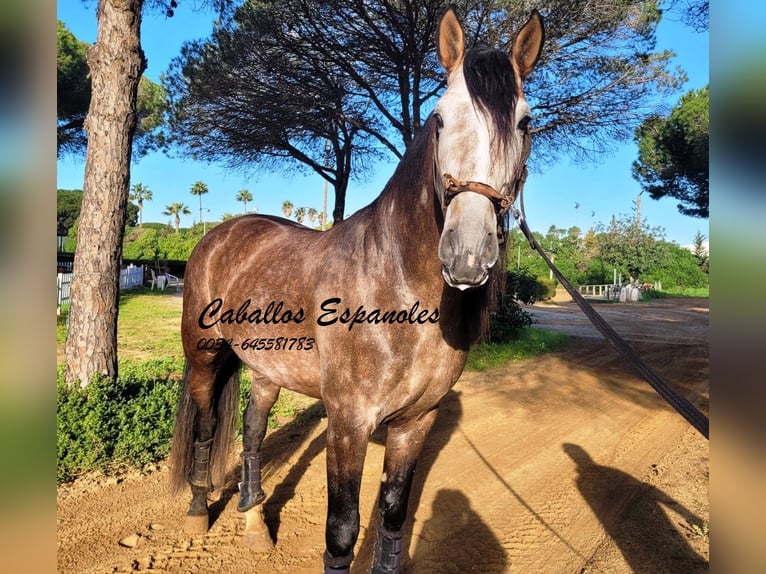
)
(465, 267)
(464, 278)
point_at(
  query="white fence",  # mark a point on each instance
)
(606, 292)
(622, 293)
(131, 277)
(63, 287)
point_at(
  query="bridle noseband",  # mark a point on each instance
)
(453, 187)
(502, 202)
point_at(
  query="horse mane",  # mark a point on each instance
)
(491, 84)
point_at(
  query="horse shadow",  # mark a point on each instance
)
(452, 522)
(640, 528)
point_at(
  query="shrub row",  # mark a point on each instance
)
(116, 424)
(520, 288)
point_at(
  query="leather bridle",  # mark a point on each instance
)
(502, 202)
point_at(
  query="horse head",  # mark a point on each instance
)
(482, 144)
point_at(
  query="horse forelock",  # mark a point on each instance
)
(491, 83)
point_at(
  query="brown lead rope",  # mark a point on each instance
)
(691, 413)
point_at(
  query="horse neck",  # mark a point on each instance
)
(406, 214)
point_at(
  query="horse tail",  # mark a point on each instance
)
(226, 405)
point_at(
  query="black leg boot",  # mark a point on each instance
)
(250, 492)
(339, 565)
(196, 521)
(200, 471)
(388, 552)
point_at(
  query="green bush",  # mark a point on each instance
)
(509, 318)
(128, 422)
(544, 288)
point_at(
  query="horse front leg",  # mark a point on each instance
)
(346, 450)
(404, 444)
(264, 395)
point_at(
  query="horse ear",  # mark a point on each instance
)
(450, 42)
(528, 45)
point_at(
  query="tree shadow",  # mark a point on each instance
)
(645, 536)
(285, 490)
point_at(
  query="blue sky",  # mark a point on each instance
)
(604, 189)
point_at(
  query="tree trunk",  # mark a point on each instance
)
(341, 186)
(116, 63)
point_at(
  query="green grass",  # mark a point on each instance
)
(529, 343)
(148, 326)
(701, 292)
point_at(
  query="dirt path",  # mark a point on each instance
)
(568, 463)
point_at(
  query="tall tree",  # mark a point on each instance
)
(673, 154)
(116, 62)
(140, 193)
(68, 205)
(280, 77)
(244, 196)
(72, 90)
(177, 209)
(199, 189)
(287, 207)
(700, 251)
(694, 13)
(630, 247)
(68, 202)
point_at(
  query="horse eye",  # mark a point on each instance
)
(439, 120)
(524, 124)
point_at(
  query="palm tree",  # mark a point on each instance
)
(312, 214)
(139, 194)
(199, 189)
(244, 196)
(177, 209)
(300, 213)
(287, 207)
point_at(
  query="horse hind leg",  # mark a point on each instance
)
(264, 395)
(203, 431)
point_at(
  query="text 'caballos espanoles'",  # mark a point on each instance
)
(331, 311)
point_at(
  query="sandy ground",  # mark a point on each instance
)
(568, 463)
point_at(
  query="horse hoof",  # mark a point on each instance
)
(257, 535)
(259, 541)
(196, 524)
